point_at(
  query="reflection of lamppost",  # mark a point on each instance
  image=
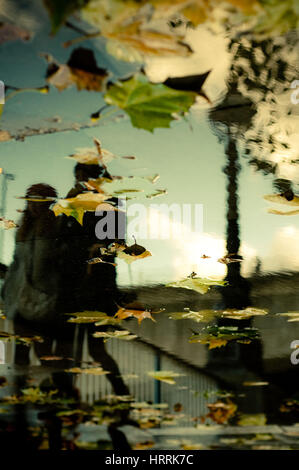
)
(5, 177)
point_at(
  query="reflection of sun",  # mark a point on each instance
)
(191, 251)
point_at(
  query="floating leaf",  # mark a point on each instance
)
(133, 253)
(280, 199)
(242, 314)
(255, 384)
(90, 156)
(259, 419)
(5, 136)
(276, 212)
(77, 206)
(7, 224)
(91, 371)
(32, 395)
(143, 445)
(201, 316)
(92, 317)
(221, 412)
(130, 186)
(27, 340)
(124, 313)
(164, 376)
(199, 284)
(52, 358)
(80, 70)
(148, 105)
(292, 316)
(118, 334)
(98, 260)
(130, 33)
(217, 336)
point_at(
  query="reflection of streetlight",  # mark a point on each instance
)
(5, 178)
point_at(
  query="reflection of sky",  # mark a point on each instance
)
(190, 164)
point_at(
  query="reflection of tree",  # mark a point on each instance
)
(250, 120)
(262, 71)
(237, 362)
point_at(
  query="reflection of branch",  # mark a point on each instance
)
(84, 35)
(30, 131)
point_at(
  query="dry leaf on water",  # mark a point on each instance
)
(199, 284)
(100, 318)
(80, 70)
(90, 371)
(221, 412)
(118, 334)
(164, 376)
(98, 260)
(7, 224)
(5, 136)
(124, 313)
(259, 419)
(83, 202)
(281, 199)
(133, 253)
(292, 316)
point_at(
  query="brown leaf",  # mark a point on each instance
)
(221, 412)
(81, 70)
(123, 313)
(5, 136)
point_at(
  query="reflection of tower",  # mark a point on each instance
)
(5, 177)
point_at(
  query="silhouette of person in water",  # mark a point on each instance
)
(49, 276)
(92, 287)
(31, 287)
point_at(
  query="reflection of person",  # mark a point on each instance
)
(32, 283)
(97, 287)
(91, 287)
(49, 276)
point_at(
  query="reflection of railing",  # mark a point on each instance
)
(138, 358)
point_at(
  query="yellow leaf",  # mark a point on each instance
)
(253, 420)
(217, 343)
(198, 284)
(164, 376)
(77, 206)
(118, 334)
(91, 371)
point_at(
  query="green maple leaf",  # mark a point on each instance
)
(59, 10)
(149, 105)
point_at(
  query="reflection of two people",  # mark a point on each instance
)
(50, 276)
